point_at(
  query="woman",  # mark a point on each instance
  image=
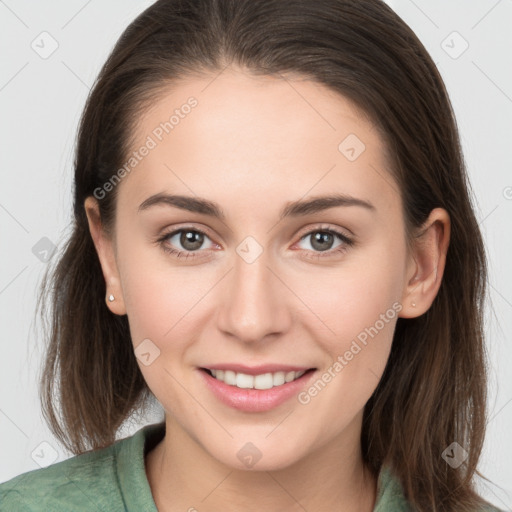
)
(274, 237)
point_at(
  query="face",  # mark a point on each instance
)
(251, 278)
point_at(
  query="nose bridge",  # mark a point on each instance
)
(255, 302)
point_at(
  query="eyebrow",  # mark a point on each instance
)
(291, 209)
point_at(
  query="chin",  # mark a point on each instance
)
(263, 455)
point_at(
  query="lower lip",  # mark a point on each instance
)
(255, 400)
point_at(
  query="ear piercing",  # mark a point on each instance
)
(413, 304)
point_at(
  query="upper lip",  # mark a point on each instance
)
(257, 370)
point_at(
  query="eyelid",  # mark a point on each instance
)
(185, 227)
(326, 227)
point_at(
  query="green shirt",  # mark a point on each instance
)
(114, 479)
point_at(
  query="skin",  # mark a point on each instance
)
(252, 145)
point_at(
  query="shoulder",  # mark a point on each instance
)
(64, 485)
(112, 478)
(390, 496)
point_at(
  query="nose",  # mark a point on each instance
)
(255, 302)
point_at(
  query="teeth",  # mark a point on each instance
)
(265, 381)
(244, 381)
(262, 381)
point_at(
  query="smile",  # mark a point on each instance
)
(260, 391)
(261, 381)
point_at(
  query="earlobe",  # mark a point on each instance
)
(426, 265)
(106, 255)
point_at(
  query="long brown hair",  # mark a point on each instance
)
(433, 390)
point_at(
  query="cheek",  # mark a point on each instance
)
(355, 295)
(157, 294)
(358, 305)
(161, 303)
(358, 354)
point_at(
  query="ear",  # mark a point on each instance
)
(426, 264)
(106, 253)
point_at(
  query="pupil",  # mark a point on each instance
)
(191, 240)
(320, 238)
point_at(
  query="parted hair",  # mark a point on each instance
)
(433, 390)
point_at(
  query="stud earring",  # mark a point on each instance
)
(413, 304)
(111, 298)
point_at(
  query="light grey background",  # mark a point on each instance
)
(42, 96)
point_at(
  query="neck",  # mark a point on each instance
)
(184, 476)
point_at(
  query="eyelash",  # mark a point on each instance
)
(347, 242)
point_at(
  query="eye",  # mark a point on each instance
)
(322, 240)
(190, 239)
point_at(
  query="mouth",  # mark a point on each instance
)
(258, 391)
(261, 381)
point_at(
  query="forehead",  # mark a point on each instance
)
(236, 133)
